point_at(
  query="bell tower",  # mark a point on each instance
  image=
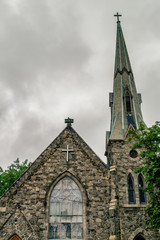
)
(125, 104)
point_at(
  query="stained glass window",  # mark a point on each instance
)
(65, 211)
(141, 187)
(131, 197)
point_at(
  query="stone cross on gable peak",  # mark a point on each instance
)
(69, 121)
(67, 150)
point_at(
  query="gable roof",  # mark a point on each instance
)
(68, 131)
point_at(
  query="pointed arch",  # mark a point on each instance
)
(142, 197)
(139, 237)
(128, 101)
(138, 234)
(129, 128)
(131, 193)
(75, 179)
(67, 208)
(15, 237)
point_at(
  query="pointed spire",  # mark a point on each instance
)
(118, 15)
(122, 62)
(124, 101)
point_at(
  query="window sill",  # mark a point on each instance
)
(134, 205)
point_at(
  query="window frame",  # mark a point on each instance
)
(15, 237)
(140, 189)
(128, 95)
(132, 189)
(84, 202)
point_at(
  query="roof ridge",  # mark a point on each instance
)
(31, 168)
(52, 147)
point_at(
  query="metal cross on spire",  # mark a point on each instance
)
(118, 15)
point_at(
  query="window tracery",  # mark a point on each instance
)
(65, 211)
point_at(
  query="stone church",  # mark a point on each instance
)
(70, 193)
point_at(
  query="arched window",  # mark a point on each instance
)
(142, 198)
(131, 196)
(15, 237)
(139, 237)
(65, 211)
(128, 101)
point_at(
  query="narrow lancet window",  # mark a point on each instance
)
(66, 211)
(131, 195)
(142, 198)
(128, 102)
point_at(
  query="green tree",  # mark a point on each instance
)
(13, 172)
(148, 140)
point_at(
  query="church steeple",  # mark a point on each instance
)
(122, 62)
(124, 101)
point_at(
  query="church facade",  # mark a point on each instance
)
(70, 193)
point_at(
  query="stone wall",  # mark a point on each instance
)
(17, 223)
(31, 193)
(24, 208)
(130, 217)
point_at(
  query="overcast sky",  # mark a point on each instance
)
(57, 61)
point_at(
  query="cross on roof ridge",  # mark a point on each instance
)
(69, 121)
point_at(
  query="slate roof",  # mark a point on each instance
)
(123, 82)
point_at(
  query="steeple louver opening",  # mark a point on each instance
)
(128, 102)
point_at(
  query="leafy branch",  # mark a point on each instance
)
(148, 140)
(13, 172)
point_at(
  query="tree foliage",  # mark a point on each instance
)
(148, 140)
(13, 172)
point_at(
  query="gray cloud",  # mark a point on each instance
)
(57, 60)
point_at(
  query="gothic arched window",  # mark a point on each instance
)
(140, 188)
(131, 196)
(139, 237)
(65, 210)
(15, 237)
(128, 102)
